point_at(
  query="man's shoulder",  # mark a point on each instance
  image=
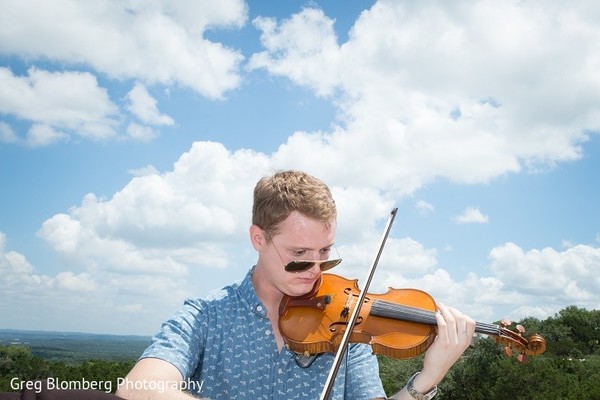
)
(229, 293)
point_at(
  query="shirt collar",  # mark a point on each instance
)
(248, 293)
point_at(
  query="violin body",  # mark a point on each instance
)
(400, 323)
(315, 323)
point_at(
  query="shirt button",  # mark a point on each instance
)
(259, 308)
(267, 332)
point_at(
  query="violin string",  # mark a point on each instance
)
(413, 314)
(403, 313)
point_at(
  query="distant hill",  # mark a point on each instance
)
(74, 347)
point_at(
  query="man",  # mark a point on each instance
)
(228, 346)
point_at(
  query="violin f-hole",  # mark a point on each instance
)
(333, 326)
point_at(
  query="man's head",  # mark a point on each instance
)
(276, 196)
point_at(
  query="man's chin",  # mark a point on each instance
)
(301, 287)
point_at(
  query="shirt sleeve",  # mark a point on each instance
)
(362, 375)
(181, 339)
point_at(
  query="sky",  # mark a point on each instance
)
(132, 134)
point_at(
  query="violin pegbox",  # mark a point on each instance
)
(513, 339)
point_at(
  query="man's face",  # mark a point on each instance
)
(298, 238)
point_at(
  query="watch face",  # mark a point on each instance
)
(418, 395)
(423, 396)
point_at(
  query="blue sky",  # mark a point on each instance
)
(132, 134)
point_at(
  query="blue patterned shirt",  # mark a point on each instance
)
(225, 349)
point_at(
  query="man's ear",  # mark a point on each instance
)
(257, 237)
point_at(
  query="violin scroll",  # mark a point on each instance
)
(513, 339)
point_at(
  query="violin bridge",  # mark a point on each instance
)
(345, 313)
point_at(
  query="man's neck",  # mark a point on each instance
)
(267, 293)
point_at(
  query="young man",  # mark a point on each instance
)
(228, 346)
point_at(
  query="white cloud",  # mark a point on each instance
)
(303, 48)
(147, 170)
(424, 207)
(521, 283)
(567, 277)
(7, 135)
(143, 106)
(71, 282)
(58, 102)
(164, 224)
(13, 261)
(155, 241)
(497, 104)
(140, 132)
(41, 96)
(472, 215)
(82, 244)
(131, 308)
(157, 42)
(402, 259)
(91, 300)
(42, 135)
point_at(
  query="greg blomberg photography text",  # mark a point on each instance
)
(105, 386)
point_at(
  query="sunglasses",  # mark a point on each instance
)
(300, 265)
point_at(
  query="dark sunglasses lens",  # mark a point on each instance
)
(295, 266)
(327, 265)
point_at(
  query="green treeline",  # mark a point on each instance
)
(569, 369)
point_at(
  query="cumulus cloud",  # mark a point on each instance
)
(12, 262)
(144, 107)
(158, 236)
(158, 42)
(300, 48)
(570, 276)
(191, 210)
(58, 102)
(42, 135)
(497, 105)
(424, 207)
(472, 215)
(21, 279)
(67, 297)
(520, 283)
(147, 170)
(150, 245)
(7, 135)
(140, 132)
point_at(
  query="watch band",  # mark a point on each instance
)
(415, 393)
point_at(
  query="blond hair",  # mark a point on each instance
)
(276, 196)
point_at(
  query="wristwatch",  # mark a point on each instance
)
(416, 394)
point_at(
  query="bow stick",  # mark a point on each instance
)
(346, 338)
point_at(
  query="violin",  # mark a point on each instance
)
(400, 323)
